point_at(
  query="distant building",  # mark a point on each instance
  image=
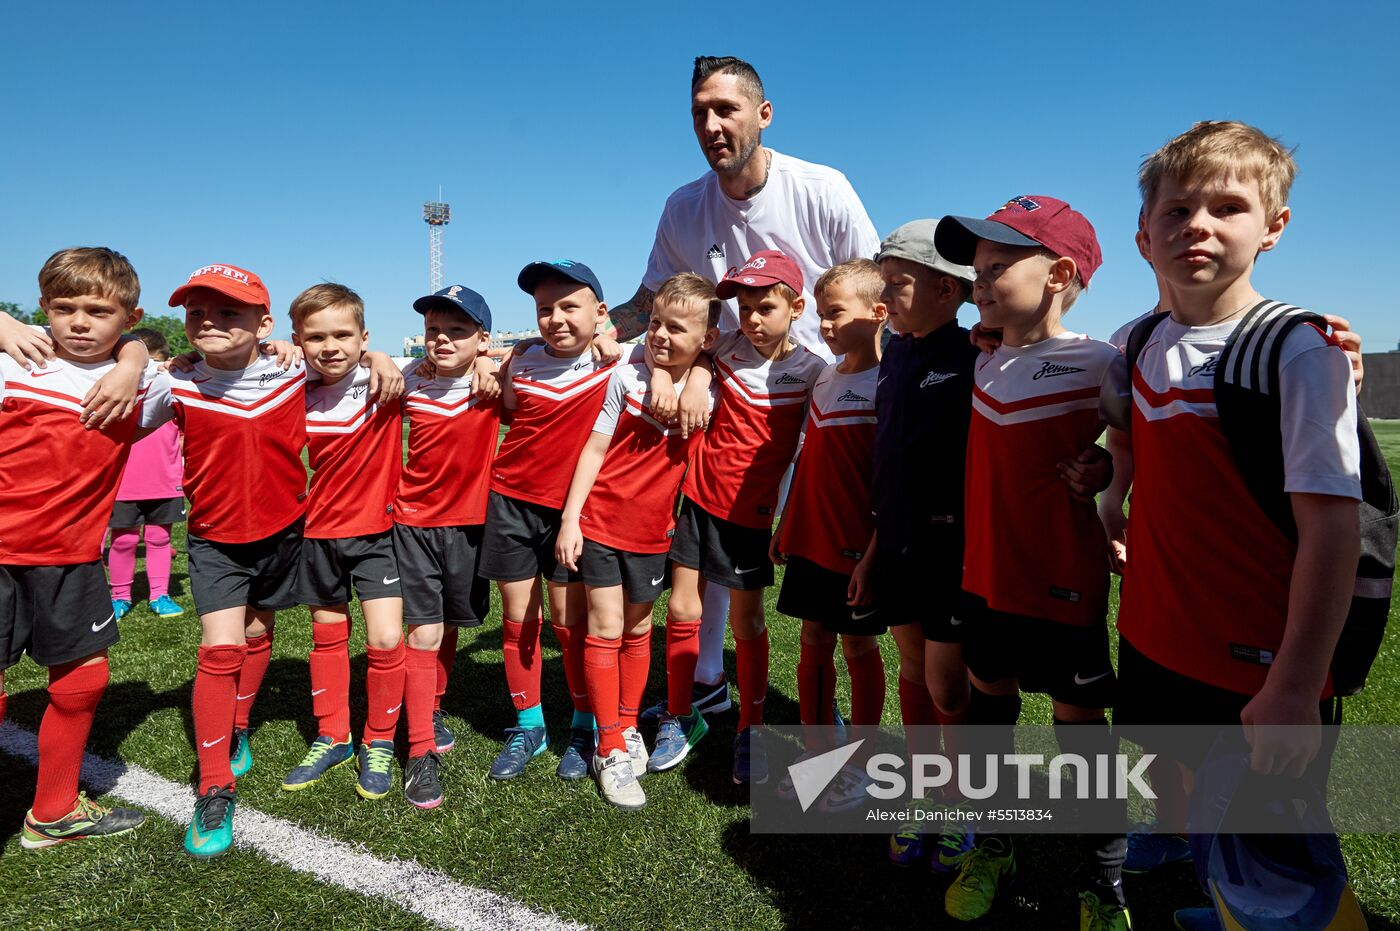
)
(502, 341)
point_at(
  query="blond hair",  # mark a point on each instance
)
(324, 295)
(90, 270)
(688, 288)
(862, 275)
(1223, 149)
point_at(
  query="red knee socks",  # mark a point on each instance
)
(633, 665)
(215, 688)
(330, 679)
(600, 670)
(867, 673)
(571, 641)
(384, 684)
(74, 692)
(751, 659)
(682, 653)
(250, 677)
(919, 717)
(816, 687)
(420, 681)
(522, 652)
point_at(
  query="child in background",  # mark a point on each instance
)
(150, 494)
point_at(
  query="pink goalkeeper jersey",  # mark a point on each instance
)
(154, 467)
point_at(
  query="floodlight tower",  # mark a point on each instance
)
(436, 215)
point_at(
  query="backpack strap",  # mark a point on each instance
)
(1137, 341)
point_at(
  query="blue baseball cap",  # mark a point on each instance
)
(531, 274)
(457, 297)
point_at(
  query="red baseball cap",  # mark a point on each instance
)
(229, 280)
(761, 270)
(1029, 220)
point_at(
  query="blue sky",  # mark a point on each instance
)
(300, 140)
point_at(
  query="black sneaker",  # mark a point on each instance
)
(443, 739)
(710, 699)
(420, 784)
(750, 758)
(87, 819)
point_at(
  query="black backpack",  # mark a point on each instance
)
(1247, 403)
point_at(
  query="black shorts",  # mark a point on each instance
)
(912, 588)
(724, 552)
(260, 575)
(159, 511)
(643, 576)
(519, 542)
(1151, 694)
(330, 567)
(442, 578)
(1069, 663)
(56, 614)
(815, 593)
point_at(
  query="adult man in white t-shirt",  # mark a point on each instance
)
(753, 198)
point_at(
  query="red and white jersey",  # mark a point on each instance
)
(1205, 591)
(452, 438)
(1031, 548)
(244, 433)
(557, 401)
(754, 432)
(632, 505)
(355, 449)
(57, 479)
(827, 519)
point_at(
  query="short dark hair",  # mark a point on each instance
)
(749, 81)
(154, 339)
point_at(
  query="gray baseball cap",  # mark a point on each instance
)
(914, 241)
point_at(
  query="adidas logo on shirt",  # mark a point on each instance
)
(1050, 370)
(716, 252)
(849, 395)
(786, 379)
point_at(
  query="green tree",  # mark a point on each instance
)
(35, 316)
(172, 328)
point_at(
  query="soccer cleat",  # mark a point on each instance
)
(1098, 915)
(674, 739)
(573, 764)
(165, 606)
(847, 790)
(985, 869)
(750, 758)
(617, 782)
(710, 699)
(120, 608)
(522, 745)
(87, 819)
(953, 845)
(443, 738)
(323, 756)
(420, 783)
(636, 751)
(1148, 849)
(1196, 919)
(907, 845)
(376, 764)
(240, 756)
(211, 829)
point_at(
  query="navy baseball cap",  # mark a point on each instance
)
(457, 297)
(531, 274)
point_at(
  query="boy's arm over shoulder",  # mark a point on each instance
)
(27, 345)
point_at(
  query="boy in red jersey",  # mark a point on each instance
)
(552, 394)
(1036, 401)
(827, 529)
(58, 481)
(731, 498)
(617, 524)
(355, 446)
(244, 421)
(1215, 198)
(439, 513)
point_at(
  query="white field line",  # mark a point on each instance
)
(429, 893)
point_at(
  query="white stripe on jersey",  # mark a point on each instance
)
(247, 393)
(1051, 378)
(439, 397)
(760, 382)
(841, 400)
(341, 408)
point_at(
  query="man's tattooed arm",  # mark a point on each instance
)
(631, 319)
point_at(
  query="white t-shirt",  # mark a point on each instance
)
(808, 211)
